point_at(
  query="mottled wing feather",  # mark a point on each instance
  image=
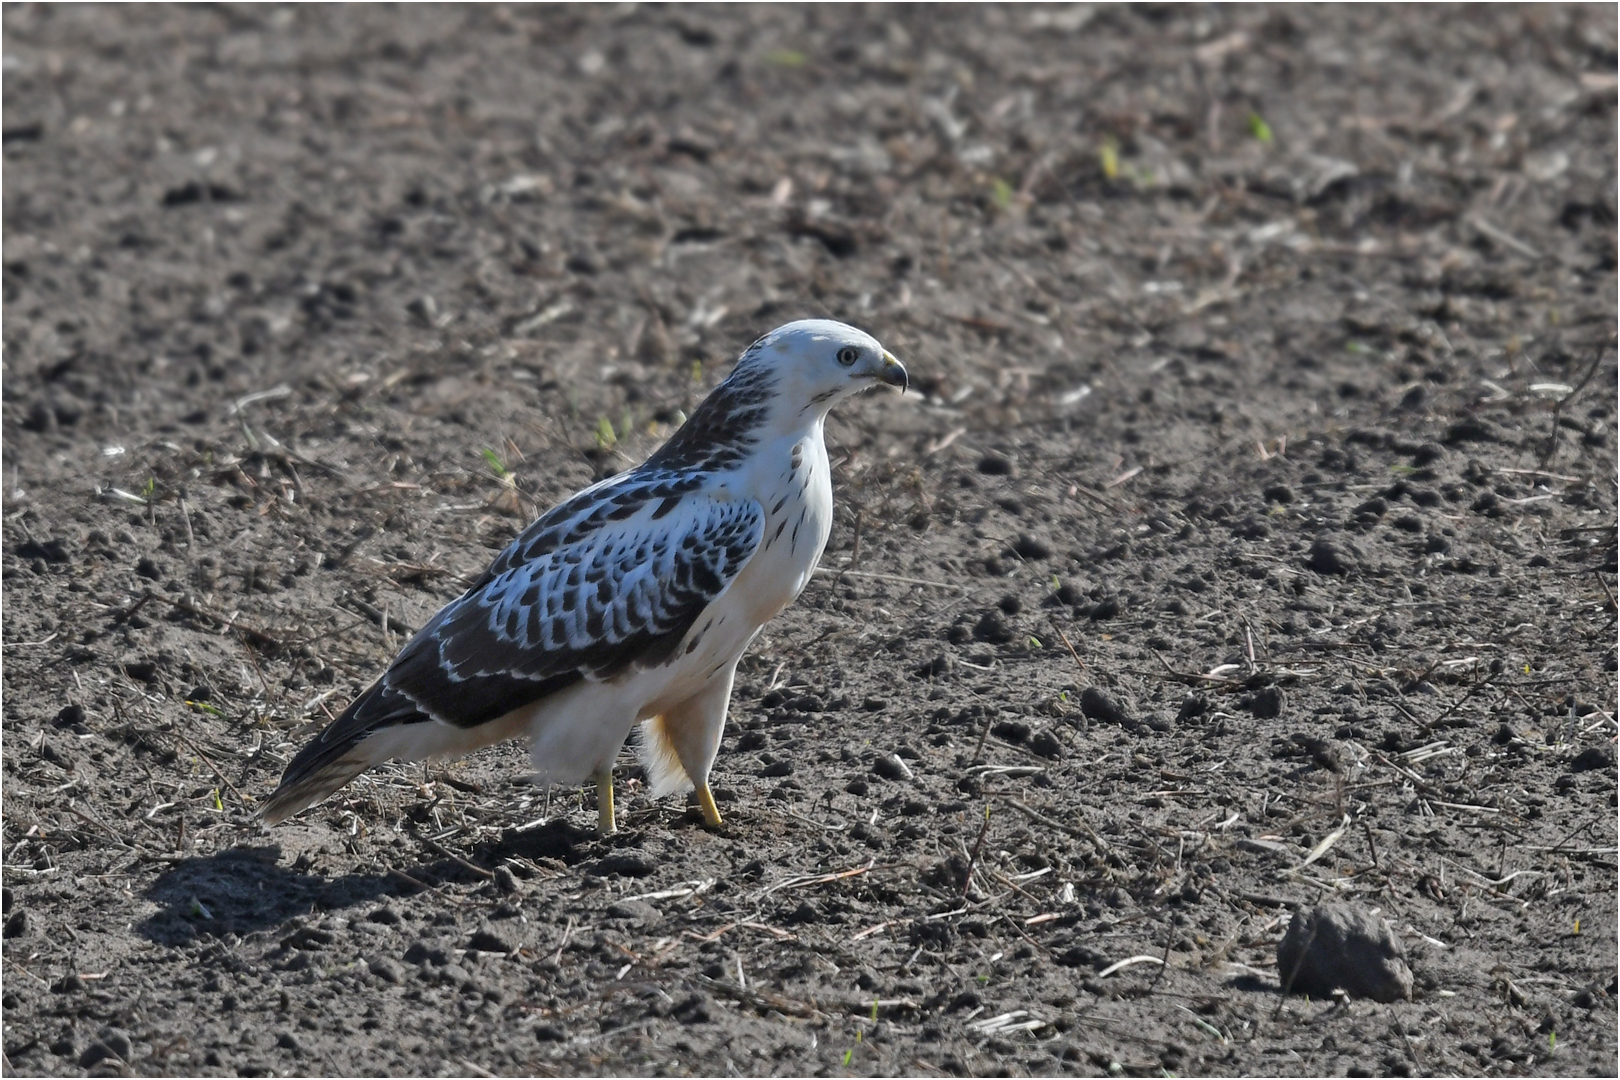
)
(620, 586)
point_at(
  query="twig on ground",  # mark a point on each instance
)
(1558, 408)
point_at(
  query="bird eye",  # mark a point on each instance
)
(848, 355)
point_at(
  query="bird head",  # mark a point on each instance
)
(813, 364)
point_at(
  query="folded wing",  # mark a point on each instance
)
(609, 581)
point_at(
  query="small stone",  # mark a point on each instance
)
(693, 1009)
(892, 767)
(1013, 731)
(488, 939)
(1266, 703)
(1326, 557)
(1046, 744)
(1593, 757)
(625, 864)
(1096, 705)
(638, 911)
(456, 975)
(506, 881)
(17, 924)
(1343, 947)
(110, 1042)
(992, 628)
(1031, 548)
(387, 970)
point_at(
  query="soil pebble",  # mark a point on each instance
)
(1328, 557)
(892, 767)
(1592, 758)
(1343, 947)
(1097, 705)
(110, 1042)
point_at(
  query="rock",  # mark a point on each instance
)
(992, 628)
(1103, 609)
(1266, 703)
(1096, 705)
(624, 864)
(110, 1042)
(488, 939)
(386, 970)
(1031, 548)
(1013, 731)
(1474, 429)
(16, 924)
(892, 767)
(1046, 744)
(694, 1009)
(635, 910)
(1593, 757)
(1343, 947)
(1326, 557)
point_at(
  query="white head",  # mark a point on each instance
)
(782, 386)
(813, 364)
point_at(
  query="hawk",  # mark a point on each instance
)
(631, 602)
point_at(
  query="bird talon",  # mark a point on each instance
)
(711, 813)
(606, 825)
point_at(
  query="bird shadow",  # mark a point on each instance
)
(247, 888)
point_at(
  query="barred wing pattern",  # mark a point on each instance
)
(615, 592)
(612, 578)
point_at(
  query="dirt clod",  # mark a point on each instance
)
(1343, 947)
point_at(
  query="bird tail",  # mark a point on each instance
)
(377, 726)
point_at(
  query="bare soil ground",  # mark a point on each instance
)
(1263, 356)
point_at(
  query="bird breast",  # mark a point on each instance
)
(795, 490)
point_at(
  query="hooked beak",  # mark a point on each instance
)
(893, 373)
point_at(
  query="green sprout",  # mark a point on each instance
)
(494, 462)
(1001, 193)
(786, 58)
(1259, 128)
(849, 1055)
(1108, 157)
(605, 436)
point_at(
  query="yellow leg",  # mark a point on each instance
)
(711, 813)
(605, 823)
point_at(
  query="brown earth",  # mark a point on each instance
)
(1263, 356)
